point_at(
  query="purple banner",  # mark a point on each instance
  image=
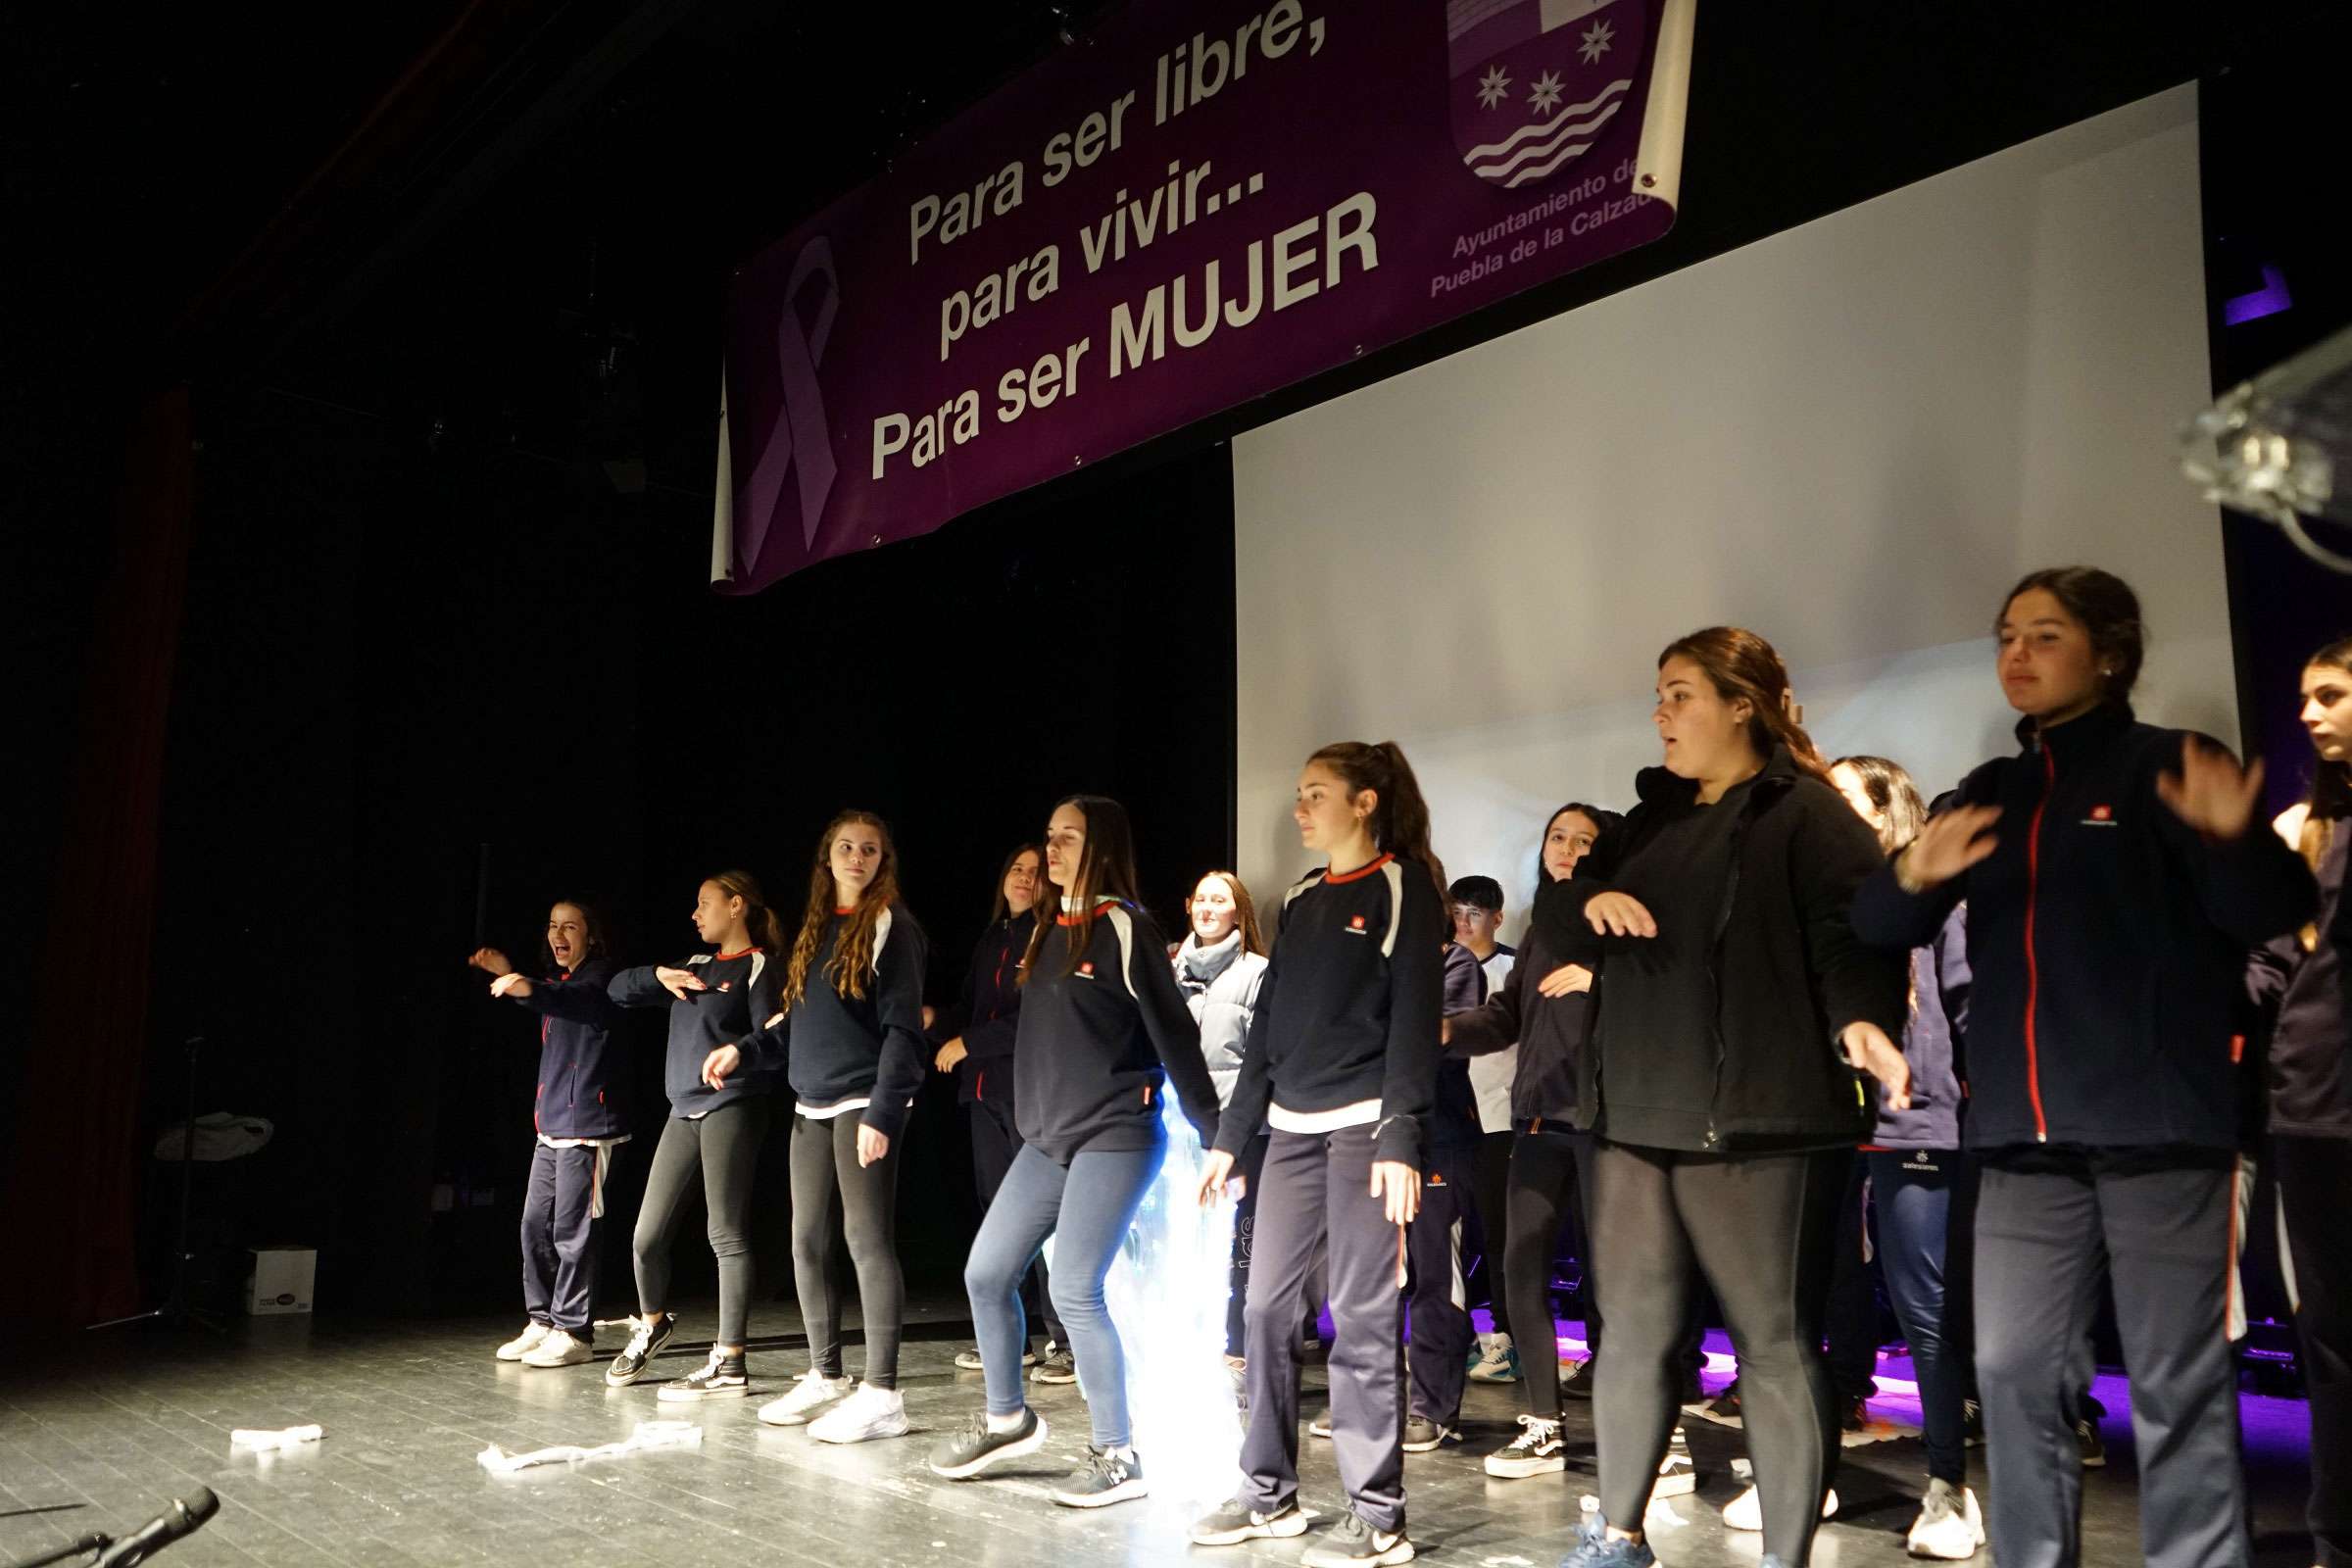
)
(1194, 206)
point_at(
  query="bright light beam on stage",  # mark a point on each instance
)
(1166, 1292)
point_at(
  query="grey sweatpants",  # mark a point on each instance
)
(1315, 1184)
(2045, 1238)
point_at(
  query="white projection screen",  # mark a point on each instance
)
(1851, 437)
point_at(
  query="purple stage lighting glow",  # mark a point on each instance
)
(2267, 300)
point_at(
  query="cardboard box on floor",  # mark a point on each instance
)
(280, 1280)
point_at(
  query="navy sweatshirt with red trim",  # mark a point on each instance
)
(836, 1047)
(1100, 1039)
(2107, 944)
(741, 993)
(988, 1012)
(1349, 1011)
(582, 1076)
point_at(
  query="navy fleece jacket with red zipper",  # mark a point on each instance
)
(740, 991)
(581, 1072)
(988, 1012)
(1349, 1008)
(2107, 943)
(1102, 1031)
(835, 1046)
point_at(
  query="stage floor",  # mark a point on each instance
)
(103, 1434)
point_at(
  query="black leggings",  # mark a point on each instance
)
(2314, 1175)
(1551, 1180)
(824, 1164)
(724, 1147)
(1490, 1208)
(1757, 1227)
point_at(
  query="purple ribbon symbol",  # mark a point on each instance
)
(798, 441)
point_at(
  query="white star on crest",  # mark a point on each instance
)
(1493, 88)
(1596, 41)
(1546, 95)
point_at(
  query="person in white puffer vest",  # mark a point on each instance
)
(1219, 967)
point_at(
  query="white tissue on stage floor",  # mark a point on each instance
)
(648, 1434)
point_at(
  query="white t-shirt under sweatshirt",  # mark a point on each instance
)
(1491, 1076)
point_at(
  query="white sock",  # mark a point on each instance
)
(1006, 1423)
(1125, 1451)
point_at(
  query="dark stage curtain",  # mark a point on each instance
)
(72, 1170)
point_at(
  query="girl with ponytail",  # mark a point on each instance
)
(714, 1129)
(1732, 1004)
(851, 1037)
(1342, 1064)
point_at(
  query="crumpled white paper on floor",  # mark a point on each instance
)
(648, 1434)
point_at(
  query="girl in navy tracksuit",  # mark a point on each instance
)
(851, 1040)
(1342, 1064)
(578, 1117)
(1921, 1183)
(713, 1131)
(1542, 1007)
(1104, 1034)
(2310, 1100)
(2115, 877)
(982, 1028)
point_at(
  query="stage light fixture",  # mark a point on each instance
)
(2279, 447)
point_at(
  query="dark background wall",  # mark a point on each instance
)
(446, 583)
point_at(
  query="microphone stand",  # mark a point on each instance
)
(96, 1541)
(177, 1309)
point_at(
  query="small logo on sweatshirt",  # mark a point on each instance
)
(726, 985)
(1086, 971)
(2100, 816)
(1356, 925)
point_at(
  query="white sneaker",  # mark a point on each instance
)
(1950, 1526)
(813, 1390)
(871, 1412)
(1746, 1511)
(1497, 1360)
(559, 1349)
(523, 1344)
(1678, 1477)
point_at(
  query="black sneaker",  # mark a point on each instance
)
(2092, 1447)
(1108, 1476)
(1853, 1415)
(1234, 1522)
(1421, 1434)
(647, 1335)
(1537, 1450)
(1353, 1543)
(1056, 1366)
(1723, 1408)
(719, 1377)
(1576, 1378)
(975, 1447)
